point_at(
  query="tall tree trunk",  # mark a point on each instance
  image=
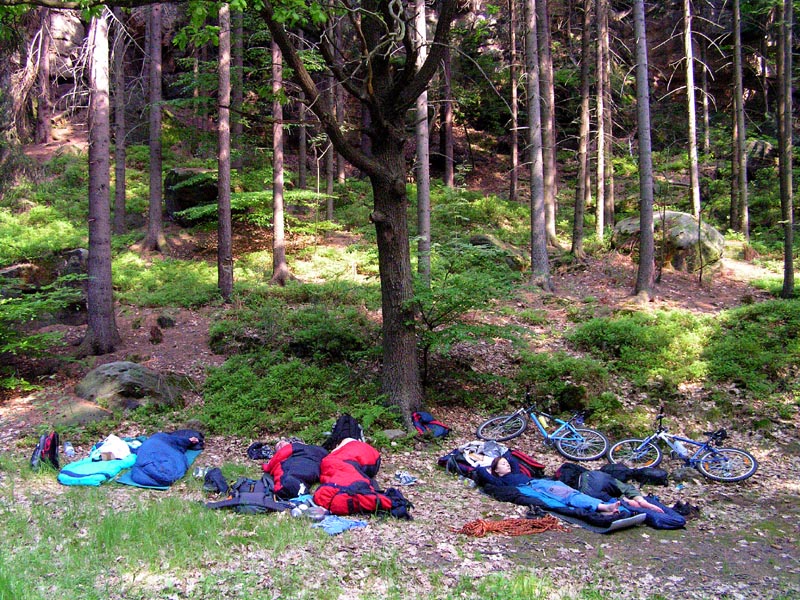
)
(739, 141)
(338, 95)
(601, 17)
(646, 272)
(155, 240)
(224, 228)
(446, 139)
(302, 137)
(540, 265)
(330, 157)
(280, 270)
(237, 88)
(102, 336)
(704, 85)
(120, 174)
(513, 179)
(785, 131)
(608, 135)
(423, 166)
(694, 171)
(583, 190)
(548, 121)
(44, 112)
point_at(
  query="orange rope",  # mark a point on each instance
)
(480, 528)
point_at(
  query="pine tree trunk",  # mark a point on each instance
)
(694, 171)
(224, 228)
(237, 88)
(785, 130)
(548, 121)
(446, 142)
(601, 17)
(646, 272)
(513, 178)
(583, 190)
(155, 239)
(280, 270)
(423, 166)
(740, 130)
(540, 266)
(102, 336)
(44, 112)
(120, 172)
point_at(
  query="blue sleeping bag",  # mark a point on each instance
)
(89, 471)
(161, 460)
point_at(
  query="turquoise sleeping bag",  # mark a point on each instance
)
(88, 471)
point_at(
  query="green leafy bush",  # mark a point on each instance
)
(254, 394)
(648, 347)
(561, 380)
(16, 312)
(758, 348)
(166, 282)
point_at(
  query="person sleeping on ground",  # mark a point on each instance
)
(599, 484)
(161, 459)
(295, 468)
(501, 473)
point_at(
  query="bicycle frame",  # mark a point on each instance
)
(670, 438)
(560, 433)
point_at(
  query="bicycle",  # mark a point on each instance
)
(717, 464)
(575, 443)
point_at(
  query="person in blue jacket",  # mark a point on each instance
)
(549, 491)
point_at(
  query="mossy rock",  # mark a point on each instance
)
(123, 386)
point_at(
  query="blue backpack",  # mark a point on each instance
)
(425, 423)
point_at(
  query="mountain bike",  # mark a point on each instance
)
(718, 464)
(569, 438)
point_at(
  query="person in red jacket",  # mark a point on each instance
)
(294, 468)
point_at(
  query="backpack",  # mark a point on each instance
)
(643, 475)
(345, 427)
(250, 497)
(425, 423)
(527, 464)
(362, 498)
(46, 452)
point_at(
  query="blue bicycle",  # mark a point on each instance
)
(718, 464)
(569, 438)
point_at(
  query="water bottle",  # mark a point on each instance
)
(680, 449)
(69, 451)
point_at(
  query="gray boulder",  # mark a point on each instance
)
(123, 385)
(513, 257)
(678, 233)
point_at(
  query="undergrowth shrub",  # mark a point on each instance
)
(757, 347)
(167, 282)
(648, 347)
(16, 312)
(269, 393)
(566, 382)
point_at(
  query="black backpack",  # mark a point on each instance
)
(345, 427)
(46, 452)
(250, 497)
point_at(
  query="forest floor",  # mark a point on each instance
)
(744, 544)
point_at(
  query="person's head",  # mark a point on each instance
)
(500, 467)
(281, 444)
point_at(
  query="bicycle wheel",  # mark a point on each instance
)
(502, 428)
(727, 464)
(635, 454)
(584, 444)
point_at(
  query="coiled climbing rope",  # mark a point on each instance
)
(480, 527)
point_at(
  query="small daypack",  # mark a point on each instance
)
(527, 464)
(250, 497)
(425, 423)
(46, 452)
(345, 427)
